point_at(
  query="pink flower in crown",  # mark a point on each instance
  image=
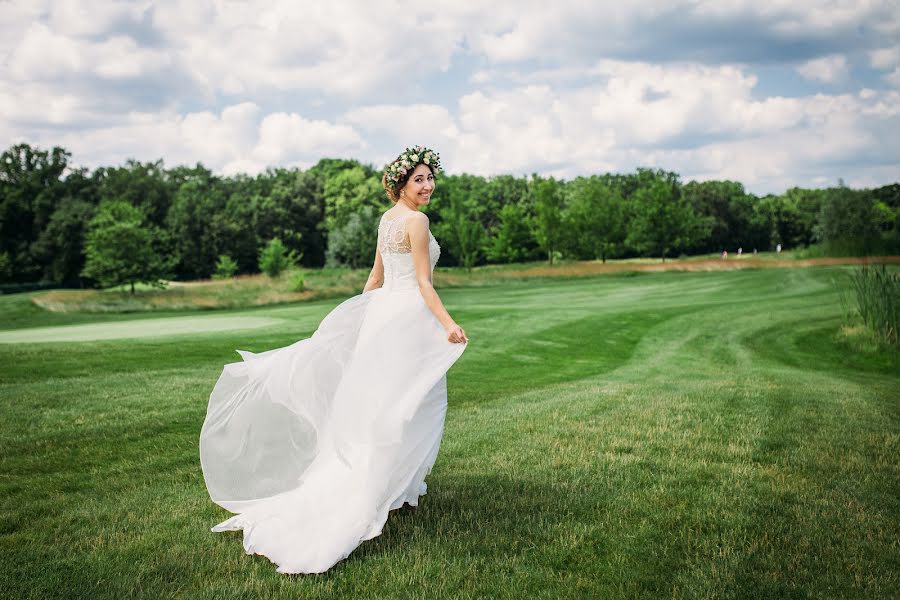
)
(402, 172)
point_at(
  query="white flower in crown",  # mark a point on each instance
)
(408, 160)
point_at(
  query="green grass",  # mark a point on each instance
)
(704, 435)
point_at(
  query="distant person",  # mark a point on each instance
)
(313, 444)
(754, 252)
(740, 251)
(724, 254)
(778, 248)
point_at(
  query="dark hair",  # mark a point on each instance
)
(393, 191)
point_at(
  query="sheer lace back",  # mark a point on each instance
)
(392, 236)
(396, 252)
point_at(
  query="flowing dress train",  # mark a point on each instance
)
(312, 444)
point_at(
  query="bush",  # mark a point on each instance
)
(275, 259)
(353, 243)
(877, 292)
(225, 268)
(298, 281)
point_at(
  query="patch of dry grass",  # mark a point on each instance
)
(260, 290)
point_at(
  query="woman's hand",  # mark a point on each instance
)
(456, 334)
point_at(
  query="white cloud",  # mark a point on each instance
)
(586, 87)
(290, 139)
(85, 18)
(336, 47)
(828, 69)
(702, 122)
(885, 58)
(239, 139)
(46, 55)
(893, 77)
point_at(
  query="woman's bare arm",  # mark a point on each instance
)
(376, 275)
(417, 229)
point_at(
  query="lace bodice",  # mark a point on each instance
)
(396, 253)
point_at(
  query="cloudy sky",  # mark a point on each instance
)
(772, 93)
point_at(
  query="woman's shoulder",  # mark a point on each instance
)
(415, 215)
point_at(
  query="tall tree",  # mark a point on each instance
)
(511, 239)
(594, 219)
(143, 185)
(778, 215)
(547, 201)
(462, 232)
(663, 223)
(848, 222)
(293, 211)
(122, 249)
(31, 188)
(807, 205)
(729, 212)
(60, 247)
(349, 190)
(191, 225)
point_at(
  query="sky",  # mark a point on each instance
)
(771, 93)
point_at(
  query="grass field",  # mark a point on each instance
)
(685, 434)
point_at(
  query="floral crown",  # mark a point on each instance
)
(408, 160)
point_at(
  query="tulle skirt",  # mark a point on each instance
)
(312, 444)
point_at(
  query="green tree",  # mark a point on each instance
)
(663, 222)
(61, 245)
(274, 259)
(462, 233)
(807, 205)
(121, 249)
(353, 243)
(143, 185)
(848, 222)
(729, 211)
(293, 210)
(547, 202)
(594, 219)
(191, 225)
(511, 240)
(347, 192)
(31, 188)
(778, 216)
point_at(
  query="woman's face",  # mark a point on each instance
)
(419, 187)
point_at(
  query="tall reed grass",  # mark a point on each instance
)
(877, 292)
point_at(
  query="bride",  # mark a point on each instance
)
(311, 445)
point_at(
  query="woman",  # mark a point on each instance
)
(314, 443)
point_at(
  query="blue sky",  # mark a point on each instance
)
(772, 94)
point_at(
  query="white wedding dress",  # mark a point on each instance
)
(312, 444)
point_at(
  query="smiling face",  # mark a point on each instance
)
(418, 189)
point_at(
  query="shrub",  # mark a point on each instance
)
(275, 259)
(225, 267)
(877, 292)
(298, 281)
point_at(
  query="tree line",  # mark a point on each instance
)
(66, 225)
